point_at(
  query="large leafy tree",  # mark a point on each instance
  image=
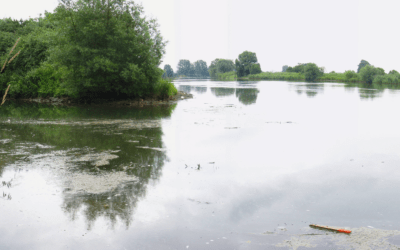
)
(224, 65)
(244, 62)
(312, 72)
(108, 47)
(200, 68)
(255, 68)
(212, 70)
(185, 68)
(368, 73)
(284, 68)
(362, 64)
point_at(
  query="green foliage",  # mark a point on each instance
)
(380, 71)
(109, 48)
(368, 73)
(255, 68)
(85, 49)
(287, 76)
(387, 79)
(184, 68)
(224, 65)
(200, 69)
(228, 76)
(219, 67)
(350, 74)
(393, 72)
(212, 70)
(299, 68)
(169, 72)
(362, 64)
(312, 72)
(244, 62)
(165, 88)
(284, 68)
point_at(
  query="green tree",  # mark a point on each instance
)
(224, 65)
(380, 71)
(368, 73)
(284, 68)
(108, 48)
(312, 72)
(350, 74)
(184, 68)
(393, 72)
(244, 62)
(255, 69)
(289, 69)
(212, 70)
(169, 72)
(362, 64)
(200, 69)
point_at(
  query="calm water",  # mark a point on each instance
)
(242, 165)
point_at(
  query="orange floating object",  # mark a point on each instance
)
(340, 230)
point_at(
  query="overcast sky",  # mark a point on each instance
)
(335, 34)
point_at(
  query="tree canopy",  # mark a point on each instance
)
(169, 72)
(87, 48)
(362, 64)
(312, 72)
(244, 62)
(200, 69)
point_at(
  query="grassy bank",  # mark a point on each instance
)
(228, 76)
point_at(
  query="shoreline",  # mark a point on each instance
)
(137, 102)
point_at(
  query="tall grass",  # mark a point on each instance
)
(227, 76)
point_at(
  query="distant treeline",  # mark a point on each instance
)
(185, 68)
(247, 67)
(246, 64)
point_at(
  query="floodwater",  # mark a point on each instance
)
(242, 165)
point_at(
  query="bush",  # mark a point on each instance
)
(165, 88)
(350, 74)
(368, 73)
(312, 72)
(255, 69)
(230, 76)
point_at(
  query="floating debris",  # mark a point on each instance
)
(340, 230)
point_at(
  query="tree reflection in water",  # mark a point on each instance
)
(220, 92)
(310, 89)
(90, 150)
(247, 96)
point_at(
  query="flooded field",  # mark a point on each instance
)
(242, 165)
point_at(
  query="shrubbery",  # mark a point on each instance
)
(84, 49)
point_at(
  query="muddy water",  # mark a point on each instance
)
(242, 165)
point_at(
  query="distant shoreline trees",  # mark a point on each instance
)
(196, 69)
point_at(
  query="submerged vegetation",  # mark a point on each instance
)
(85, 49)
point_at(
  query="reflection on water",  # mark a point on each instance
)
(310, 89)
(106, 164)
(246, 165)
(219, 92)
(246, 96)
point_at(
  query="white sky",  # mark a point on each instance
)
(335, 34)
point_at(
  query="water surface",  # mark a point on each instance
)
(242, 165)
